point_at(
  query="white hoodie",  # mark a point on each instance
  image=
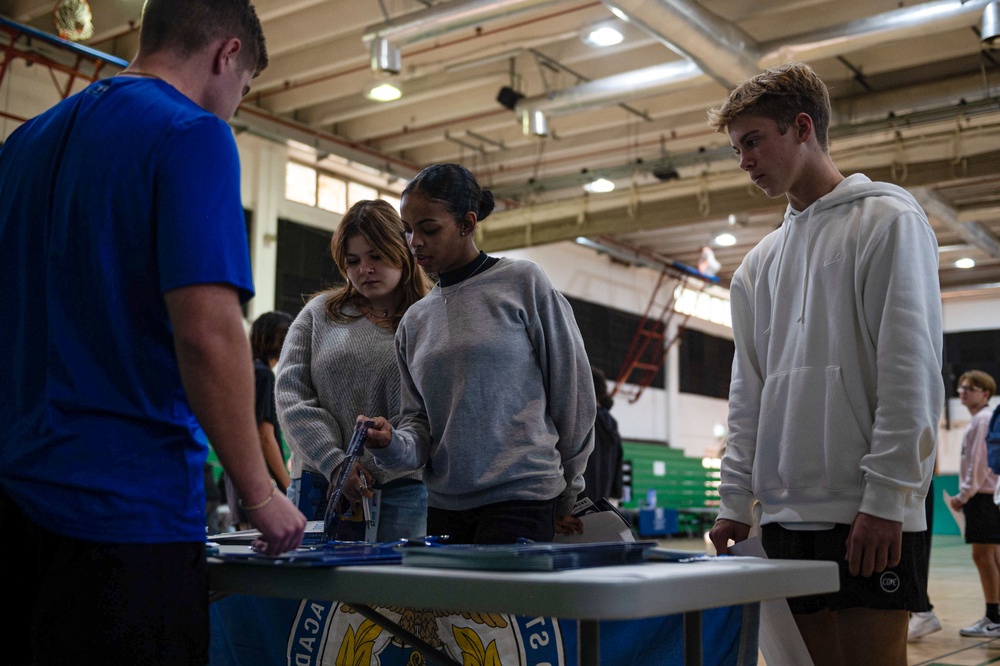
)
(836, 389)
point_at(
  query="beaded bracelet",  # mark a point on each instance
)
(262, 503)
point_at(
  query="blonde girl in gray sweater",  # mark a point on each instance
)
(339, 360)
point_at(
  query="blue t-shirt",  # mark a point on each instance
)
(109, 200)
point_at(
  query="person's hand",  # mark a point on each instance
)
(873, 544)
(281, 525)
(379, 435)
(956, 504)
(568, 525)
(725, 530)
(356, 486)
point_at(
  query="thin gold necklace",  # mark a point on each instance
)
(484, 260)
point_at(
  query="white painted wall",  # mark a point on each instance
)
(968, 313)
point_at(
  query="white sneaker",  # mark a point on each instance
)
(922, 624)
(982, 629)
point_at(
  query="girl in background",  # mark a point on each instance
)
(339, 361)
(267, 335)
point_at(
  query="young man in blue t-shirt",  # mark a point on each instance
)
(124, 257)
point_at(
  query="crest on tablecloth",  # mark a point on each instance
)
(331, 634)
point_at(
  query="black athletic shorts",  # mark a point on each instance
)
(114, 604)
(897, 588)
(982, 519)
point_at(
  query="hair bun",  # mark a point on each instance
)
(486, 204)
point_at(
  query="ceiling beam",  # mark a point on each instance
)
(632, 212)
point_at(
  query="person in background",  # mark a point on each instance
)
(836, 387)
(976, 486)
(267, 335)
(603, 476)
(124, 260)
(497, 395)
(339, 360)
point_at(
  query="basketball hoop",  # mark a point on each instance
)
(74, 20)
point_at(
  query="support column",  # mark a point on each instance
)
(263, 189)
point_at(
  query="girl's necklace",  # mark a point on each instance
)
(482, 262)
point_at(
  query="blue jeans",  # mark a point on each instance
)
(402, 515)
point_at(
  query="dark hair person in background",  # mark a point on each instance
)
(604, 467)
(124, 260)
(497, 396)
(267, 335)
(340, 360)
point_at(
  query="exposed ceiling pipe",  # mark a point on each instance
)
(675, 75)
(935, 16)
(719, 47)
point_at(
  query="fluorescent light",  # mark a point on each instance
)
(604, 36)
(599, 186)
(965, 262)
(725, 240)
(383, 92)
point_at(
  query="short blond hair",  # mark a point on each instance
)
(779, 93)
(979, 379)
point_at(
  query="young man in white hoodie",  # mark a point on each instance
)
(836, 388)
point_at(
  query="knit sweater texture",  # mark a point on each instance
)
(329, 373)
(497, 392)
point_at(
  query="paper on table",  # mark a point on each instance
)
(959, 516)
(780, 641)
(598, 528)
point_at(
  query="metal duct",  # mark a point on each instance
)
(671, 76)
(930, 17)
(940, 15)
(720, 48)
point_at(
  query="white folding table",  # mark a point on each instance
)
(588, 595)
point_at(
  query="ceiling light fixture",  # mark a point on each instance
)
(383, 91)
(725, 240)
(599, 186)
(603, 36)
(965, 262)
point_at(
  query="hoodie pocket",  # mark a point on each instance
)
(809, 436)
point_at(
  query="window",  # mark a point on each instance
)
(332, 194)
(300, 183)
(357, 192)
(306, 185)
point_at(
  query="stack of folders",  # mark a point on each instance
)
(525, 556)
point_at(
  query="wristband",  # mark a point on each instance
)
(262, 503)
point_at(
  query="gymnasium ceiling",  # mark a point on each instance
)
(916, 97)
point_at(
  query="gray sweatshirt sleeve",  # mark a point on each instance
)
(411, 436)
(569, 387)
(312, 433)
